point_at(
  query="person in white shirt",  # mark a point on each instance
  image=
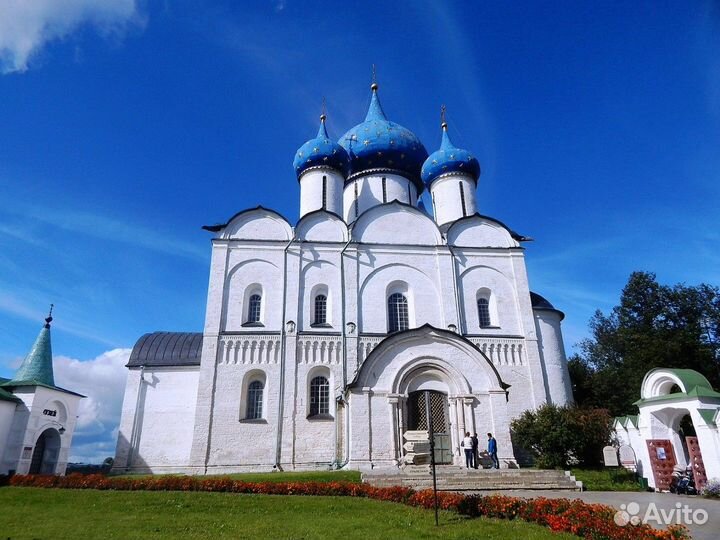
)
(467, 444)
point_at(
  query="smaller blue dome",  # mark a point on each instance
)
(449, 159)
(321, 151)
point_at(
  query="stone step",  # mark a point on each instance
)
(458, 479)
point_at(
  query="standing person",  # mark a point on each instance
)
(492, 450)
(476, 454)
(467, 445)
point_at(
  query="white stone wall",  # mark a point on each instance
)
(158, 438)
(7, 413)
(311, 191)
(552, 353)
(447, 200)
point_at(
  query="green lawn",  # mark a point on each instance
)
(304, 476)
(58, 513)
(603, 480)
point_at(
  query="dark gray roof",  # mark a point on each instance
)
(167, 349)
(541, 303)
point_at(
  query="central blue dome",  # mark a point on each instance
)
(378, 143)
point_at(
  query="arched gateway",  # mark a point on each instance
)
(387, 397)
(45, 453)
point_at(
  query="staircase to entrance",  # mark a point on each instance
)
(453, 478)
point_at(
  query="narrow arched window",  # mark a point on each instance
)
(320, 309)
(254, 305)
(483, 312)
(255, 400)
(397, 313)
(384, 188)
(319, 396)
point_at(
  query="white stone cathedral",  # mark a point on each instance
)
(321, 338)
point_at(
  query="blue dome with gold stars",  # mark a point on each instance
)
(378, 143)
(449, 159)
(321, 151)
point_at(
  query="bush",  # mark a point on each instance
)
(711, 489)
(561, 436)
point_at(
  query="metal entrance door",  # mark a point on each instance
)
(439, 410)
(696, 462)
(662, 459)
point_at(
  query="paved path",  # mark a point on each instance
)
(662, 501)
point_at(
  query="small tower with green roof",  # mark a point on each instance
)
(37, 418)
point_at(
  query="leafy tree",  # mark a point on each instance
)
(563, 436)
(653, 326)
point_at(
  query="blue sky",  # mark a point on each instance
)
(126, 128)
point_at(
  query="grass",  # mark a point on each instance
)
(603, 479)
(291, 476)
(61, 513)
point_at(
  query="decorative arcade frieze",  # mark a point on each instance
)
(501, 351)
(249, 349)
(317, 349)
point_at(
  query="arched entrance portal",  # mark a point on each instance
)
(46, 452)
(417, 413)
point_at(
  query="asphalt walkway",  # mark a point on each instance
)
(666, 502)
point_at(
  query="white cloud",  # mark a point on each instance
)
(102, 380)
(28, 25)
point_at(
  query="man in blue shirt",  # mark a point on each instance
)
(492, 450)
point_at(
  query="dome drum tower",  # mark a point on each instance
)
(321, 166)
(385, 162)
(372, 188)
(378, 162)
(451, 175)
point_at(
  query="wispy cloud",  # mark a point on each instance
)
(26, 26)
(103, 227)
(12, 305)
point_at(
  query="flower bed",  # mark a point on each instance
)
(590, 521)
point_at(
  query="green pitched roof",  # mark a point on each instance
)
(708, 415)
(695, 384)
(18, 384)
(7, 396)
(38, 365)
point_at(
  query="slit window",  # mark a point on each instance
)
(356, 198)
(462, 198)
(384, 187)
(324, 193)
